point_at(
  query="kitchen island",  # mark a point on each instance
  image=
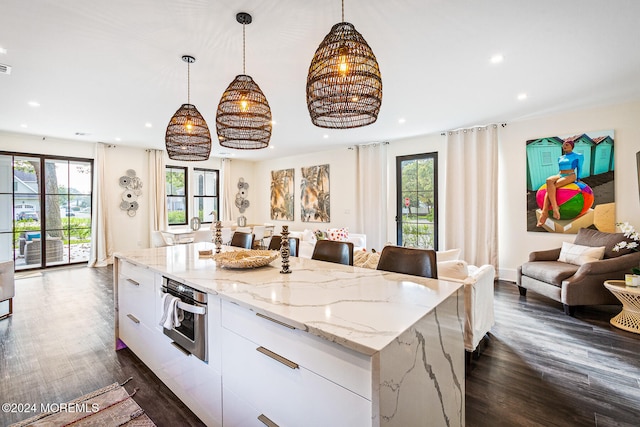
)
(336, 345)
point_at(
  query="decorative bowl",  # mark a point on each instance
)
(245, 258)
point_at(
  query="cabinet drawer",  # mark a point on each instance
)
(136, 276)
(338, 364)
(137, 336)
(289, 396)
(136, 300)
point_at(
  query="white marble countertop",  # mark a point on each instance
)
(358, 308)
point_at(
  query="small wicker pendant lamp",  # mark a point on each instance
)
(344, 87)
(243, 120)
(188, 136)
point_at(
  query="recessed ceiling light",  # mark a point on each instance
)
(118, 139)
(271, 147)
(401, 121)
(3, 51)
(522, 96)
(497, 58)
(325, 136)
(23, 125)
(33, 104)
(148, 125)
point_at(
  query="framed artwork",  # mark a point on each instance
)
(585, 196)
(314, 194)
(282, 190)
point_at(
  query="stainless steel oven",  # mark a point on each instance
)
(191, 335)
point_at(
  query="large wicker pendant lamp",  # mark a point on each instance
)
(344, 87)
(188, 136)
(243, 120)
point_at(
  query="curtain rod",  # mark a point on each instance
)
(495, 125)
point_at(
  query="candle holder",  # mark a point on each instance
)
(284, 250)
(217, 239)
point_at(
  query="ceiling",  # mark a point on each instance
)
(102, 69)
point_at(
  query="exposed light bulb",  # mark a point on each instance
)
(188, 125)
(244, 105)
(343, 67)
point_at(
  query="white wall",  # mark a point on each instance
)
(515, 243)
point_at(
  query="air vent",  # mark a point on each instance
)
(5, 69)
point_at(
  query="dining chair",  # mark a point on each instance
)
(333, 251)
(159, 239)
(258, 236)
(203, 235)
(244, 229)
(226, 233)
(417, 262)
(276, 242)
(242, 240)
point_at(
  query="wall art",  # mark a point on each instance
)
(314, 194)
(570, 183)
(133, 189)
(282, 193)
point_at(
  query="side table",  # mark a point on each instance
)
(629, 318)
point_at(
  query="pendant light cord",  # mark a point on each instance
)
(243, 49)
(188, 82)
(342, 10)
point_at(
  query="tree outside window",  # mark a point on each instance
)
(176, 189)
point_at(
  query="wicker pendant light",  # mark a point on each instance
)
(188, 136)
(344, 87)
(243, 120)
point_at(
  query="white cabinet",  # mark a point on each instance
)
(195, 382)
(270, 370)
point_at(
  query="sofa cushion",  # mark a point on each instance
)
(553, 272)
(308, 235)
(449, 255)
(589, 237)
(454, 269)
(578, 255)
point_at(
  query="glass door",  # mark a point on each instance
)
(417, 204)
(45, 210)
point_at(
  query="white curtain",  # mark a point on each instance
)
(157, 192)
(372, 193)
(471, 200)
(101, 240)
(226, 213)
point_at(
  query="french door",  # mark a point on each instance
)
(45, 210)
(417, 203)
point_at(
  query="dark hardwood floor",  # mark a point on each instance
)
(541, 367)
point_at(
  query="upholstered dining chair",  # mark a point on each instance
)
(7, 285)
(258, 236)
(276, 241)
(417, 262)
(333, 251)
(242, 240)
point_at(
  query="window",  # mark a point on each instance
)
(417, 180)
(176, 183)
(205, 194)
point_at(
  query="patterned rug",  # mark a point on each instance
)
(108, 407)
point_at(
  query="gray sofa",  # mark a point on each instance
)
(575, 285)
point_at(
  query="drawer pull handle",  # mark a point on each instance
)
(133, 318)
(275, 321)
(133, 282)
(266, 421)
(278, 358)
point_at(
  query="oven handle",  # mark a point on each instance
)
(195, 309)
(191, 308)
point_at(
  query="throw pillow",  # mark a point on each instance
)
(454, 269)
(358, 242)
(450, 255)
(308, 235)
(589, 237)
(578, 255)
(338, 234)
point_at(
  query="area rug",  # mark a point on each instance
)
(108, 407)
